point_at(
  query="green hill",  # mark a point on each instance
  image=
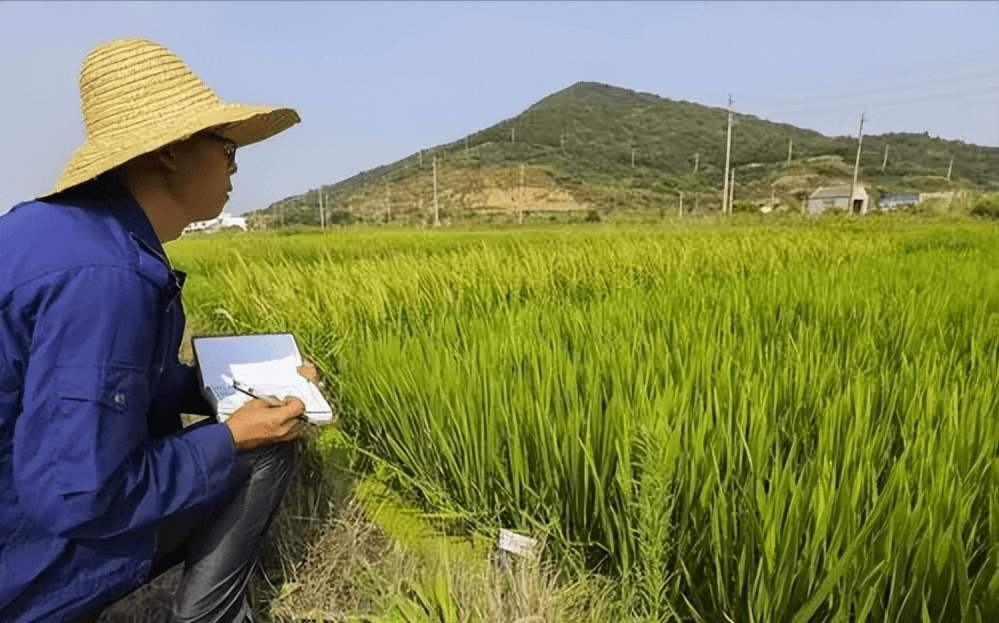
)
(594, 147)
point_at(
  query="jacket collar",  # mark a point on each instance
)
(110, 191)
(131, 215)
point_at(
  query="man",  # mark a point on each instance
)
(101, 488)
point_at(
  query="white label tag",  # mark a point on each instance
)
(518, 544)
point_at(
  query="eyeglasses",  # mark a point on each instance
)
(228, 146)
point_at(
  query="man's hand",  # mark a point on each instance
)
(257, 424)
(309, 371)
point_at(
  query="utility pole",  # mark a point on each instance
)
(731, 190)
(728, 155)
(388, 203)
(322, 212)
(950, 168)
(520, 211)
(790, 148)
(513, 134)
(856, 165)
(436, 210)
(562, 140)
(884, 162)
(697, 161)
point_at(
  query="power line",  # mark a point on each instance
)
(771, 112)
(939, 96)
(822, 96)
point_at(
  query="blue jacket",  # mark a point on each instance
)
(91, 391)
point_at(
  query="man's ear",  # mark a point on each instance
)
(166, 157)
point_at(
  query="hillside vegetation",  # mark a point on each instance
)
(598, 148)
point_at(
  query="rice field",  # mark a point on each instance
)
(736, 422)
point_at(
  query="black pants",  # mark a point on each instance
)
(219, 550)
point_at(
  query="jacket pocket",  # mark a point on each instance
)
(102, 421)
(119, 388)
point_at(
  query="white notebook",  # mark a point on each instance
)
(266, 363)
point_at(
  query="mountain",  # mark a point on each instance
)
(597, 147)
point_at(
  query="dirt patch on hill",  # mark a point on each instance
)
(463, 191)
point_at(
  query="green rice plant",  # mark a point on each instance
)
(754, 423)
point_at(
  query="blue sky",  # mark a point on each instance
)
(377, 81)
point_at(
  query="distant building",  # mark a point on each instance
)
(222, 221)
(947, 195)
(893, 202)
(836, 197)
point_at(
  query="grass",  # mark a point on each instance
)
(791, 422)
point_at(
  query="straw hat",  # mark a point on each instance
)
(137, 96)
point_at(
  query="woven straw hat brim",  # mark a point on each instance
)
(137, 96)
(242, 124)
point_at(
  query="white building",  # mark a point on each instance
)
(222, 221)
(836, 197)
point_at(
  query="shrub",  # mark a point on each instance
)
(341, 217)
(746, 207)
(987, 206)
